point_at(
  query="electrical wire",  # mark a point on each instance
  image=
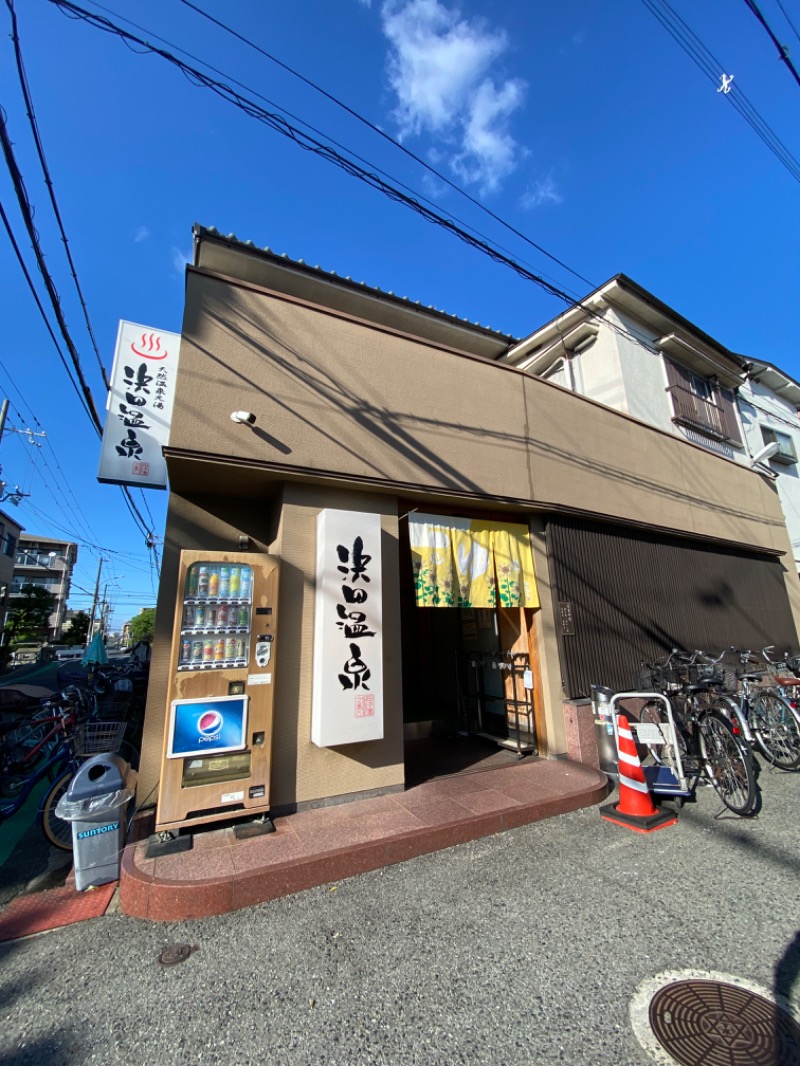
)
(783, 51)
(27, 216)
(324, 151)
(786, 16)
(705, 60)
(382, 133)
(355, 155)
(48, 180)
(32, 287)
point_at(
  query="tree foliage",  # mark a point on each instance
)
(77, 628)
(143, 624)
(28, 618)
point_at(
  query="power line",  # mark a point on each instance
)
(48, 180)
(783, 51)
(324, 151)
(382, 133)
(786, 16)
(32, 287)
(705, 60)
(355, 155)
(27, 215)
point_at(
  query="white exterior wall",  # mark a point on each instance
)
(598, 371)
(759, 406)
(644, 374)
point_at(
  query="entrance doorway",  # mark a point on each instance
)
(469, 671)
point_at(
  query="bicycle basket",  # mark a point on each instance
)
(698, 672)
(95, 738)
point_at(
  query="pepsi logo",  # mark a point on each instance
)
(209, 723)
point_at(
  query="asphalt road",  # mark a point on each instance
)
(525, 947)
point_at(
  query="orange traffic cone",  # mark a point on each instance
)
(635, 809)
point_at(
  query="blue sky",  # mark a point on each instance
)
(583, 126)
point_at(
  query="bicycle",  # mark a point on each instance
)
(34, 738)
(78, 739)
(700, 743)
(762, 714)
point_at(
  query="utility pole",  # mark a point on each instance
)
(90, 633)
(17, 493)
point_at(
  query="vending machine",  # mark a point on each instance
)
(218, 729)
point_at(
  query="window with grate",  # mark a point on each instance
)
(786, 452)
(702, 404)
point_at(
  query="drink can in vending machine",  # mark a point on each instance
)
(243, 615)
(224, 581)
(230, 648)
(213, 582)
(219, 650)
(208, 651)
(202, 581)
(188, 615)
(186, 651)
(197, 651)
(235, 581)
(211, 615)
(241, 648)
(191, 582)
(222, 615)
(245, 582)
(200, 615)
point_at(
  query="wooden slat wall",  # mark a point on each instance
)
(634, 596)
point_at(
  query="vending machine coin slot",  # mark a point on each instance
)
(263, 649)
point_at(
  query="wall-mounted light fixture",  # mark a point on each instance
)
(245, 418)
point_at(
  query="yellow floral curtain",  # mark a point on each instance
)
(462, 562)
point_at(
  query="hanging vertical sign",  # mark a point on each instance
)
(139, 408)
(347, 695)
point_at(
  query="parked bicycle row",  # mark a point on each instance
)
(708, 717)
(100, 710)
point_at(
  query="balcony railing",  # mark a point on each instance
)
(703, 415)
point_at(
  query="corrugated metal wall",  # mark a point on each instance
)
(623, 596)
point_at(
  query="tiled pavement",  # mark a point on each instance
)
(313, 847)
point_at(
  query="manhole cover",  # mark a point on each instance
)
(708, 1023)
(176, 953)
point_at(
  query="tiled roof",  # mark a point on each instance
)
(231, 238)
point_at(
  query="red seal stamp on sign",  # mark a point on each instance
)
(365, 707)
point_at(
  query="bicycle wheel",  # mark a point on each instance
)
(728, 763)
(55, 829)
(776, 725)
(11, 785)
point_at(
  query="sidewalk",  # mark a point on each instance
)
(314, 847)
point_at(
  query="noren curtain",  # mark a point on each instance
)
(462, 562)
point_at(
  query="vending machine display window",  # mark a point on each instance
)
(215, 626)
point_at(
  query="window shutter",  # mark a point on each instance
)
(677, 375)
(727, 402)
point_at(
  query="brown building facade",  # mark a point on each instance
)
(367, 403)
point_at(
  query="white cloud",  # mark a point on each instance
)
(141, 234)
(180, 260)
(543, 191)
(439, 65)
(490, 152)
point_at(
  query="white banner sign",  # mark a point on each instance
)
(347, 700)
(139, 408)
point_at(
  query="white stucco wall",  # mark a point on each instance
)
(598, 372)
(759, 406)
(643, 373)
